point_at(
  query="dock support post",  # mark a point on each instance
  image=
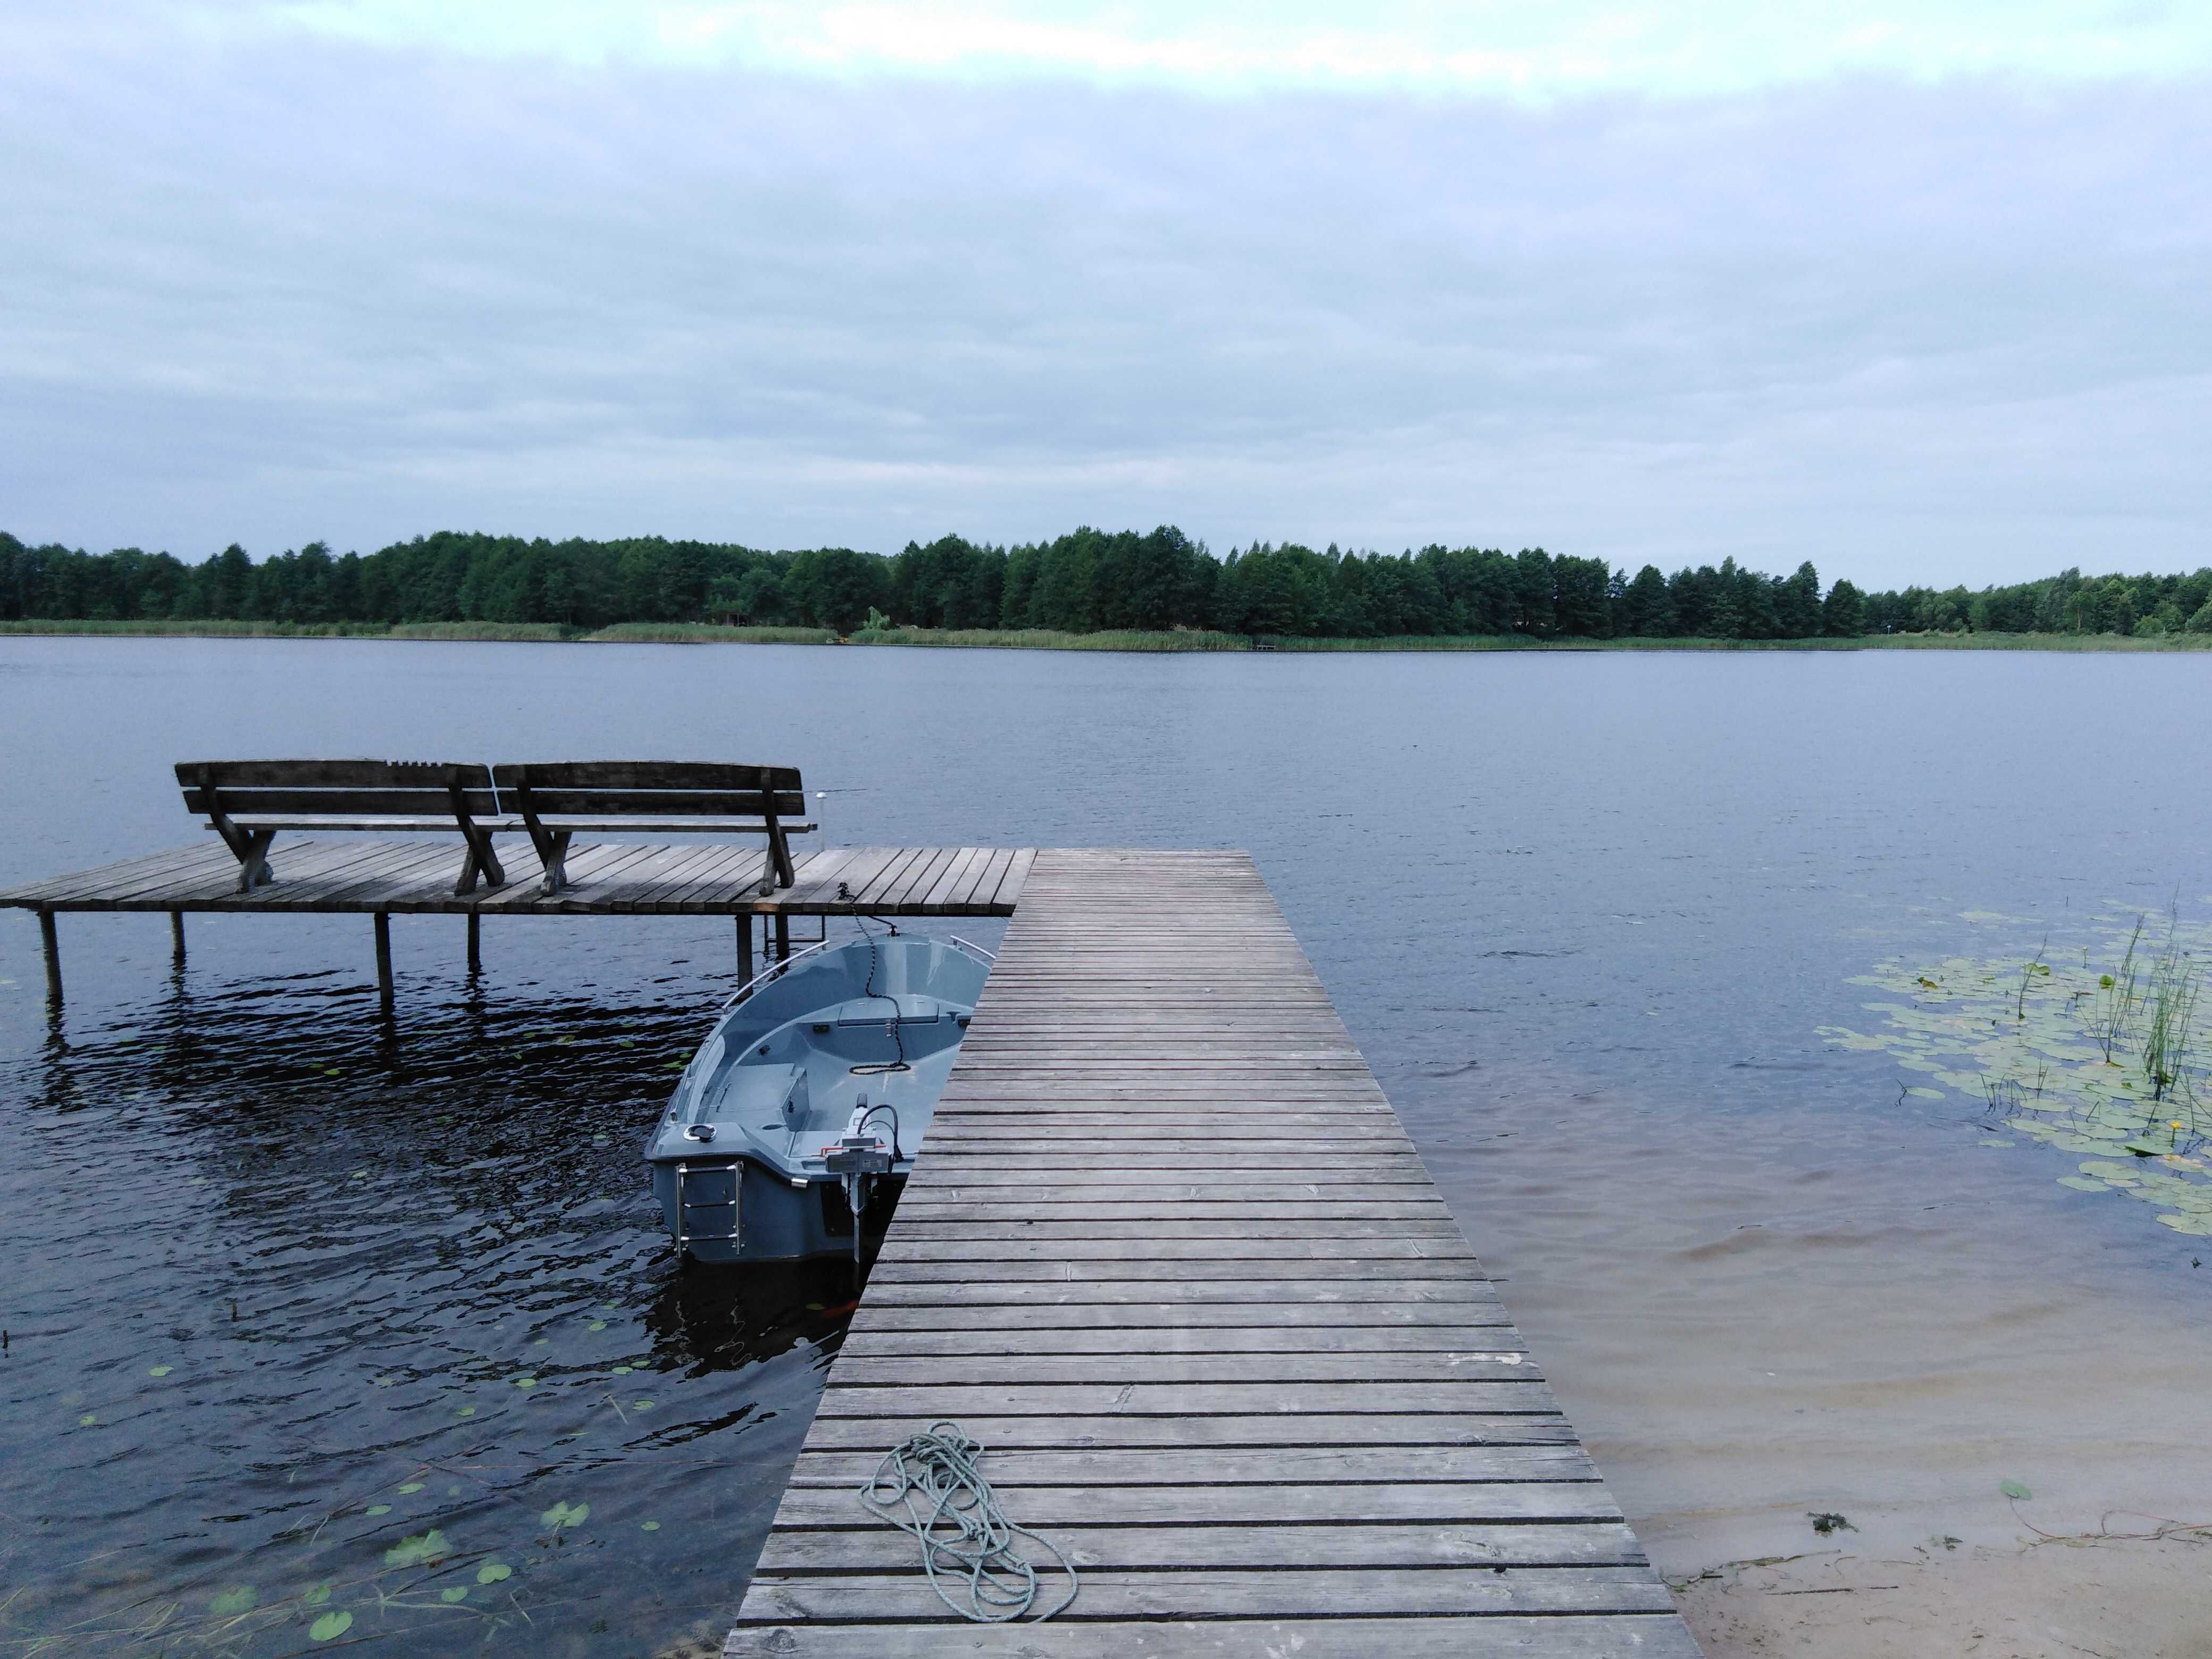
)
(782, 936)
(176, 937)
(51, 941)
(745, 949)
(476, 943)
(383, 958)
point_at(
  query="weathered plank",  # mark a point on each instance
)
(1612, 1636)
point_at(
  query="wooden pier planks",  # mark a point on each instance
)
(357, 874)
(1169, 1256)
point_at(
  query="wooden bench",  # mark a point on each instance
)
(247, 802)
(558, 800)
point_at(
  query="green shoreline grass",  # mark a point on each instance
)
(1045, 640)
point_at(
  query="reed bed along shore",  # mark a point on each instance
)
(1049, 640)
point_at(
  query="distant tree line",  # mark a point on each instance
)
(1091, 580)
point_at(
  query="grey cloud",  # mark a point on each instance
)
(300, 289)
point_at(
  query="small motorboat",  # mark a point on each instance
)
(793, 1127)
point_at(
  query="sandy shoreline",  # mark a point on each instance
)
(2109, 1599)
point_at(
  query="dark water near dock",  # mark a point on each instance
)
(287, 1289)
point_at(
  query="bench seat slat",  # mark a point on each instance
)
(241, 802)
(336, 773)
(659, 803)
(709, 775)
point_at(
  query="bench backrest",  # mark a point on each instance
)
(337, 789)
(687, 789)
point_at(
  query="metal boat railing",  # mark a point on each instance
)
(775, 970)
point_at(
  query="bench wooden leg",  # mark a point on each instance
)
(51, 940)
(480, 860)
(556, 858)
(254, 861)
(384, 959)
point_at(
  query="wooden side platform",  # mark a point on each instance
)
(359, 874)
(1170, 1256)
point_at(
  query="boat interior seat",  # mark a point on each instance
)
(752, 1094)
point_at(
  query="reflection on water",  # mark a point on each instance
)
(322, 1318)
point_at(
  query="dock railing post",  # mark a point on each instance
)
(51, 940)
(383, 958)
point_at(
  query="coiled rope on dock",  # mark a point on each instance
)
(930, 1485)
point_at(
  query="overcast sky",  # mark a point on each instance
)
(1918, 292)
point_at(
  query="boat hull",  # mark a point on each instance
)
(810, 1094)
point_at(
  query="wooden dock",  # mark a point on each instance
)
(1170, 1256)
(362, 875)
(383, 878)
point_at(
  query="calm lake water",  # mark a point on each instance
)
(287, 1289)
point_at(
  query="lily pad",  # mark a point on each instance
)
(2197, 1226)
(379, 1509)
(417, 1548)
(565, 1514)
(640, 1405)
(411, 1487)
(1925, 1094)
(597, 1325)
(2083, 1184)
(493, 1571)
(2013, 1489)
(330, 1626)
(525, 1382)
(454, 1593)
(159, 1371)
(648, 1526)
(318, 1596)
(239, 1598)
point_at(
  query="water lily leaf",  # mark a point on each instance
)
(89, 1420)
(648, 1526)
(159, 1371)
(412, 1486)
(493, 1571)
(239, 1598)
(465, 1410)
(2197, 1226)
(2083, 1184)
(316, 1597)
(620, 1371)
(1926, 1094)
(1992, 1142)
(416, 1549)
(330, 1626)
(2013, 1489)
(640, 1405)
(597, 1325)
(565, 1514)
(456, 1593)
(2146, 1148)
(525, 1382)
(380, 1509)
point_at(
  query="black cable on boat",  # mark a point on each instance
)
(875, 960)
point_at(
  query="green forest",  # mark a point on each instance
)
(1090, 581)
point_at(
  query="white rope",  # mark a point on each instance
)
(943, 1500)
